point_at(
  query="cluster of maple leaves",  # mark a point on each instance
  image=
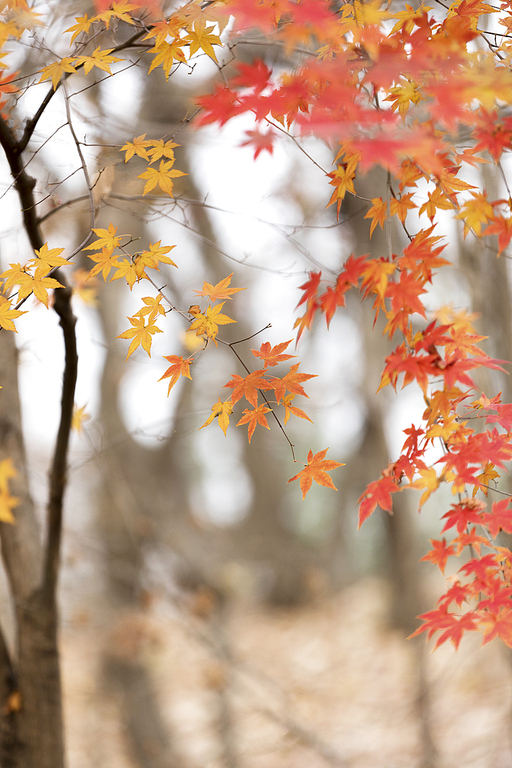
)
(394, 88)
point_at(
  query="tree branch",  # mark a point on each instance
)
(58, 474)
(62, 304)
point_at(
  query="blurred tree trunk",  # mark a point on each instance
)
(31, 728)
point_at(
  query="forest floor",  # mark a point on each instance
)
(325, 685)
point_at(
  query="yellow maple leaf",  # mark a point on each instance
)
(83, 24)
(105, 262)
(153, 257)
(153, 307)
(429, 481)
(47, 259)
(403, 95)
(209, 323)
(7, 502)
(7, 315)
(163, 177)
(107, 239)
(136, 147)
(141, 335)
(166, 55)
(121, 10)
(79, 418)
(56, 70)
(161, 148)
(98, 58)
(476, 212)
(223, 410)
(86, 292)
(200, 37)
(127, 269)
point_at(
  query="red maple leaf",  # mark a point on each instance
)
(260, 141)
(377, 494)
(440, 553)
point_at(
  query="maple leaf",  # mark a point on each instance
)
(7, 502)
(428, 480)
(475, 213)
(179, 367)
(7, 315)
(83, 24)
(163, 177)
(167, 54)
(107, 240)
(120, 10)
(342, 179)
(86, 292)
(272, 355)
(254, 417)
(470, 540)
(219, 106)
(291, 382)
(98, 58)
(153, 257)
(378, 213)
(248, 386)
(153, 307)
(47, 259)
(136, 147)
(200, 37)
(161, 148)
(255, 75)
(440, 553)
(141, 335)
(316, 469)
(38, 286)
(56, 71)
(127, 269)
(453, 625)
(497, 625)
(289, 409)
(262, 142)
(436, 200)
(377, 494)
(219, 291)
(503, 228)
(222, 410)
(310, 287)
(500, 519)
(105, 262)
(209, 323)
(79, 418)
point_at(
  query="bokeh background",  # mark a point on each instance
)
(209, 617)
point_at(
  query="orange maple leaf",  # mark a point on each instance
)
(219, 291)
(273, 355)
(248, 387)
(179, 367)
(316, 469)
(291, 382)
(254, 417)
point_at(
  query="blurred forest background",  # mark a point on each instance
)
(210, 617)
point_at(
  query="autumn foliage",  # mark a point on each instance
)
(421, 93)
